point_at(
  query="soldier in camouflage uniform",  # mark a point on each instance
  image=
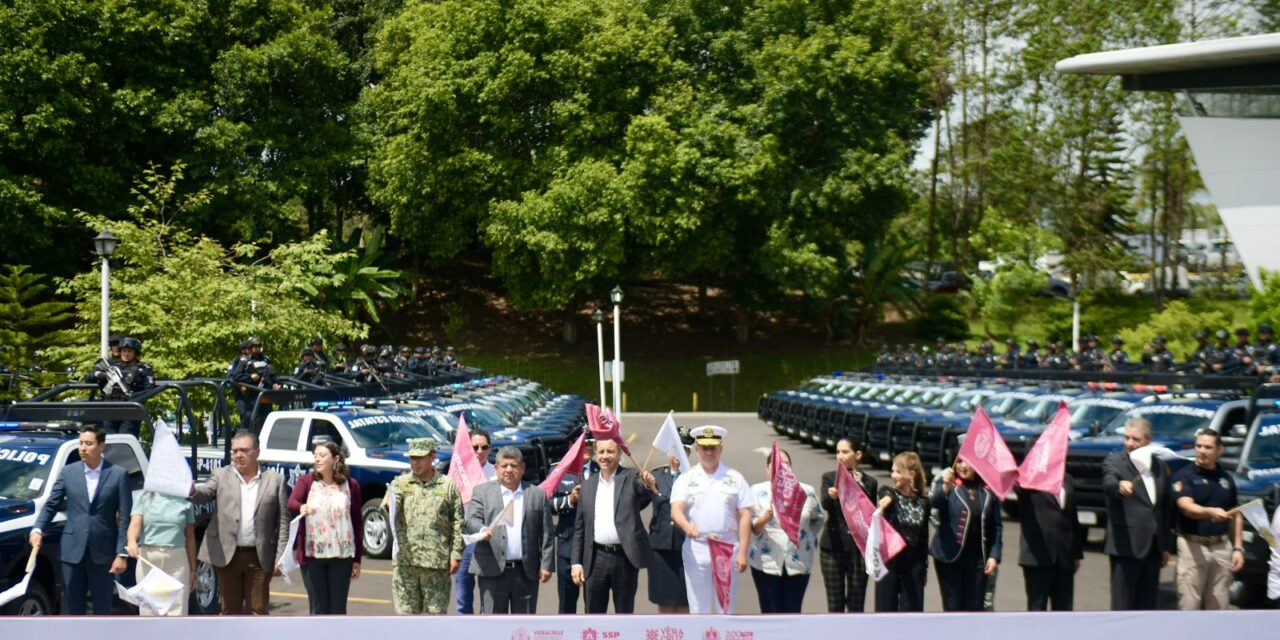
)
(428, 529)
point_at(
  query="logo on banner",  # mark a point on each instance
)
(982, 444)
(588, 634)
(711, 634)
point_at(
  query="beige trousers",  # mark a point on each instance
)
(173, 561)
(1204, 574)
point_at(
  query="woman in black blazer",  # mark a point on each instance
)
(666, 564)
(966, 546)
(843, 573)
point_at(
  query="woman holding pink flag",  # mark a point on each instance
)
(843, 571)
(966, 546)
(780, 568)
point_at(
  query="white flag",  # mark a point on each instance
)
(390, 501)
(506, 518)
(668, 441)
(168, 471)
(1142, 456)
(875, 566)
(1273, 576)
(1256, 514)
(157, 591)
(16, 591)
(289, 562)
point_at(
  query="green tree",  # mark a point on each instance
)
(30, 319)
(191, 300)
(1178, 324)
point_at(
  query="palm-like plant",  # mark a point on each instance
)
(881, 280)
(363, 282)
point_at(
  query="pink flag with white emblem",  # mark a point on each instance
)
(858, 509)
(604, 426)
(722, 570)
(570, 463)
(465, 470)
(788, 497)
(989, 456)
(1045, 466)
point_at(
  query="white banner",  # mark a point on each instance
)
(958, 626)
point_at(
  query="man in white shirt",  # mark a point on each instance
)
(516, 551)
(250, 530)
(610, 544)
(711, 501)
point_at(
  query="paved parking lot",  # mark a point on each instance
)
(748, 439)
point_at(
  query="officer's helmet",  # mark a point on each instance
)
(368, 350)
(1117, 340)
(132, 343)
(1221, 334)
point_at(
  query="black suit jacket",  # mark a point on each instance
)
(1133, 523)
(628, 500)
(835, 532)
(956, 522)
(1051, 535)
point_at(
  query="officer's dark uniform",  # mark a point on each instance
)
(309, 369)
(1202, 356)
(566, 514)
(1118, 360)
(135, 375)
(339, 363)
(1266, 353)
(1204, 546)
(256, 372)
(1244, 351)
(1030, 359)
(1159, 360)
(317, 350)
(367, 369)
(1223, 360)
(1011, 358)
(1092, 358)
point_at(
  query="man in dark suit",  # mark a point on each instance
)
(249, 530)
(99, 503)
(1051, 547)
(1139, 528)
(610, 545)
(510, 560)
(564, 505)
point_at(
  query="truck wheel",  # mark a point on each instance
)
(35, 602)
(204, 600)
(377, 530)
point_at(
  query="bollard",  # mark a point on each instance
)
(624, 402)
(695, 401)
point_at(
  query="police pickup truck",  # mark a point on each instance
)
(373, 439)
(32, 455)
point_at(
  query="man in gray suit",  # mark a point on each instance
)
(249, 531)
(511, 560)
(610, 545)
(99, 502)
(1139, 523)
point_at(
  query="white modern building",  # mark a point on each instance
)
(1230, 91)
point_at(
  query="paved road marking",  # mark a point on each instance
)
(376, 572)
(285, 594)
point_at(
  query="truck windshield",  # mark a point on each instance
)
(1168, 421)
(485, 417)
(384, 431)
(1266, 444)
(23, 472)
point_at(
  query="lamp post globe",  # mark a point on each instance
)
(104, 244)
(615, 296)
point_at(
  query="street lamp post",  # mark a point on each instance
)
(104, 244)
(598, 316)
(615, 296)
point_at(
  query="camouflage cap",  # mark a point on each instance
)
(419, 447)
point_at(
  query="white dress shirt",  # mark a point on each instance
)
(606, 528)
(515, 534)
(490, 472)
(1149, 481)
(245, 535)
(91, 478)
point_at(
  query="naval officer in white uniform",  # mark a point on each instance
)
(711, 501)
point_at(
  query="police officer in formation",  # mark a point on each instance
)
(1159, 360)
(368, 368)
(122, 377)
(339, 364)
(309, 369)
(253, 373)
(318, 355)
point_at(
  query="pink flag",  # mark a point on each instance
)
(858, 509)
(465, 470)
(788, 497)
(989, 456)
(722, 570)
(570, 463)
(1046, 464)
(604, 426)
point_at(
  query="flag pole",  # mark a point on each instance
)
(1240, 508)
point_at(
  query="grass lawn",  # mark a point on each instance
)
(663, 384)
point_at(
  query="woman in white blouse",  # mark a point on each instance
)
(779, 567)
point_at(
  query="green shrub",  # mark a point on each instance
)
(941, 316)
